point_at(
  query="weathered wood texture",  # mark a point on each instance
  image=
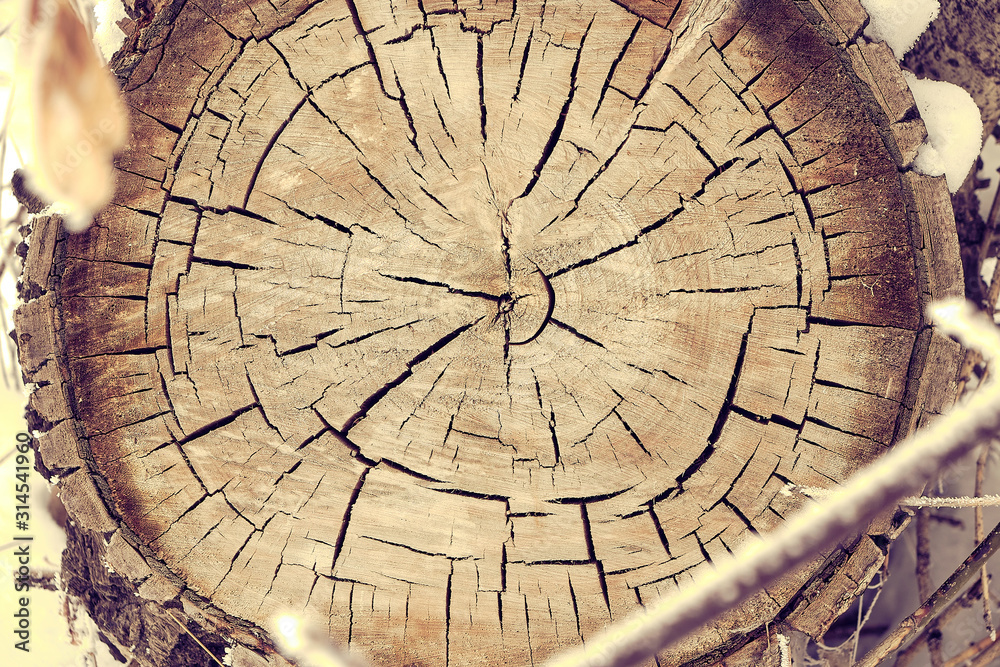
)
(465, 330)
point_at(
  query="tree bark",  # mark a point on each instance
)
(464, 330)
(960, 47)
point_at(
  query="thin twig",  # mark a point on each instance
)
(970, 653)
(863, 616)
(988, 657)
(863, 620)
(971, 359)
(942, 597)
(992, 294)
(857, 630)
(984, 574)
(190, 634)
(963, 601)
(819, 526)
(924, 586)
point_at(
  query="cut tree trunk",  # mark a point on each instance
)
(464, 330)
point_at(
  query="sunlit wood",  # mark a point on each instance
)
(464, 330)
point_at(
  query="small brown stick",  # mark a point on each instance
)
(964, 601)
(924, 585)
(984, 574)
(970, 653)
(988, 657)
(203, 647)
(942, 597)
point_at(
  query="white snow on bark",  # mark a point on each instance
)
(954, 129)
(108, 35)
(899, 23)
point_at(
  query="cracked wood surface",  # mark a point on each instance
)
(466, 329)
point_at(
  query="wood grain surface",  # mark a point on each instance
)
(463, 330)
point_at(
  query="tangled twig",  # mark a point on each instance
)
(928, 612)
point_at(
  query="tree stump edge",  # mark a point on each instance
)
(46, 362)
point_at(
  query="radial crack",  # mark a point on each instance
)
(372, 400)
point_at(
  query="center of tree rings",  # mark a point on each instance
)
(473, 301)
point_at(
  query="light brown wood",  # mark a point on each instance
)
(463, 330)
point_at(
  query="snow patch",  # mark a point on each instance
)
(987, 267)
(108, 36)
(954, 129)
(899, 23)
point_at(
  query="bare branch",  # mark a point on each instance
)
(942, 597)
(933, 637)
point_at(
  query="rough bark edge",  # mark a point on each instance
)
(812, 609)
(102, 566)
(97, 540)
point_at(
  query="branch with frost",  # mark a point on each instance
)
(818, 527)
(961, 501)
(817, 493)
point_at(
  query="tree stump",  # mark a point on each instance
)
(466, 329)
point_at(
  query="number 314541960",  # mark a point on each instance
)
(22, 488)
